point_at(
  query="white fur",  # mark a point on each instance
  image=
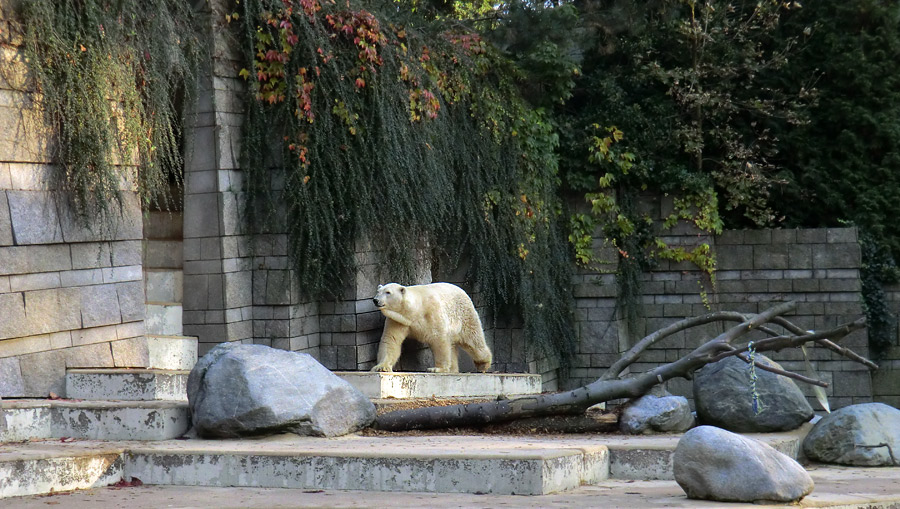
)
(440, 315)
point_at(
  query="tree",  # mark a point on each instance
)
(844, 164)
(612, 385)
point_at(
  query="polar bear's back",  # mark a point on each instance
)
(453, 301)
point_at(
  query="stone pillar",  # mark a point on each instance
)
(217, 268)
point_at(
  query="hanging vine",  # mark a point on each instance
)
(110, 75)
(394, 129)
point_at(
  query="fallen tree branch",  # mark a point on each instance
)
(577, 400)
(842, 350)
(781, 342)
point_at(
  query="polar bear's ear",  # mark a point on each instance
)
(380, 287)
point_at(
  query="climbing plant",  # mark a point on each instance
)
(109, 74)
(390, 130)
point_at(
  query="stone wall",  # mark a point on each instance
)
(70, 293)
(886, 381)
(818, 268)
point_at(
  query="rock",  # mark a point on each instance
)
(242, 390)
(723, 398)
(713, 464)
(860, 435)
(651, 413)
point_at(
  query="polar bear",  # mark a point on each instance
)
(440, 315)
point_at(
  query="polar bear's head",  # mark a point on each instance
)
(389, 296)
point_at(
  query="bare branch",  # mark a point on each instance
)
(635, 351)
(790, 374)
(782, 342)
(848, 353)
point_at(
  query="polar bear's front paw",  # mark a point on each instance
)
(384, 368)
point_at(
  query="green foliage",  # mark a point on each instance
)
(842, 166)
(878, 269)
(684, 80)
(110, 74)
(401, 132)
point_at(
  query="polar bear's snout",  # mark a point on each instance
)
(378, 303)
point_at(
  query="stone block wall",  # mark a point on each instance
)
(71, 294)
(818, 268)
(886, 381)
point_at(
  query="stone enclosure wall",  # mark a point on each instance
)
(818, 268)
(70, 293)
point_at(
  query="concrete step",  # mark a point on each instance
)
(126, 384)
(442, 385)
(172, 352)
(164, 225)
(98, 420)
(163, 285)
(483, 464)
(59, 467)
(163, 254)
(163, 319)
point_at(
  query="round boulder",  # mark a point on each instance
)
(243, 390)
(713, 464)
(661, 414)
(861, 435)
(723, 398)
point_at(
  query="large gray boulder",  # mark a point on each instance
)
(714, 464)
(662, 413)
(723, 398)
(242, 390)
(860, 435)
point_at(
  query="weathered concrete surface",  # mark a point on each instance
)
(120, 420)
(164, 318)
(172, 352)
(425, 385)
(44, 467)
(100, 420)
(126, 384)
(482, 464)
(836, 487)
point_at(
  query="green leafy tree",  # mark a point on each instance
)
(844, 165)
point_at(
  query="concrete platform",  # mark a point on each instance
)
(442, 385)
(128, 384)
(836, 487)
(487, 464)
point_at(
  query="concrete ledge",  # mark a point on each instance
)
(37, 475)
(422, 464)
(128, 384)
(98, 420)
(120, 420)
(425, 385)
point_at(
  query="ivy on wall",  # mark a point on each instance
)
(109, 75)
(394, 129)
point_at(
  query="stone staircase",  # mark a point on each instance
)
(147, 401)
